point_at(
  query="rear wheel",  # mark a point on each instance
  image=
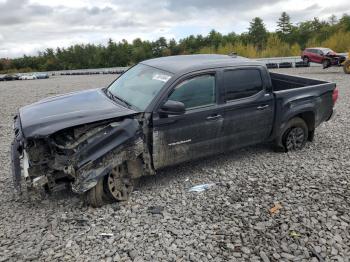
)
(346, 67)
(306, 60)
(295, 135)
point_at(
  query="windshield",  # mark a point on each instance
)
(139, 85)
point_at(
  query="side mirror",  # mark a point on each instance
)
(172, 108)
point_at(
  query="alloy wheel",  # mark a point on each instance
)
(295, 139)
(119, 186)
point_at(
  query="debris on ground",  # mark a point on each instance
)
(106, 234)
(201, 188)
(294, 234)
(275, 209)
(156, 210)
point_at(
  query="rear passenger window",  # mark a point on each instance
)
(242, 83)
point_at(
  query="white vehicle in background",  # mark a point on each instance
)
(41, 75)
(28, 77)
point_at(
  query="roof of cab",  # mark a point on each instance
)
(188, 63)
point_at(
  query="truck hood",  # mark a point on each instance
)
(52, 114)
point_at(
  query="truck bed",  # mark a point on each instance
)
(284, 82)
(297, 95)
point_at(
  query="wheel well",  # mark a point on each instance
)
(309, 118)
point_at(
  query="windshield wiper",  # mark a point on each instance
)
(114, 97)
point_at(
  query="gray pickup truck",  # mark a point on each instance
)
(162, 112)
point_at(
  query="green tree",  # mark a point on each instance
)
(141, 50)
(284, 26)
(159, 46)
(332, 20)
(344, 22)
(174, 47)
(257, 33)
(214, 39)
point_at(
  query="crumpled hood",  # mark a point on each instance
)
(56, 113)
(332, 53)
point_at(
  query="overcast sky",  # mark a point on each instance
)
(27, 26)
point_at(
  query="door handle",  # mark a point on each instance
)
(262, 107)
(214, 117)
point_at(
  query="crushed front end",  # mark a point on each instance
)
(335, 59)
(77, 156)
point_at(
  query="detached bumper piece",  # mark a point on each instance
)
(16, 165)
(16, 152)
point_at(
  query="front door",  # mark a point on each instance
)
(196, 133)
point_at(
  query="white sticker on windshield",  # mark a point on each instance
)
(159, 77)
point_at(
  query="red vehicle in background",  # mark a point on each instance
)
(320, 55)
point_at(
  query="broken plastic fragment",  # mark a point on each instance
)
(294, 234)
(156, 210)
(106, 234)
(201, 188)
(275, 209)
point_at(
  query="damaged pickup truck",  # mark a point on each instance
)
(162, 112)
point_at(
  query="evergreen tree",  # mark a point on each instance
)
(284, 26)
(257, 33)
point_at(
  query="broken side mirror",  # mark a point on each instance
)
(171, 107)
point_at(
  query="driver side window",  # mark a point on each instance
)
(195, 92)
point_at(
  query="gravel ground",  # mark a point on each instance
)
(230, 221)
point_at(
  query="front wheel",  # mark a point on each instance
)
(114, 187)
(118, 184)
(96, 196)
(326, 63)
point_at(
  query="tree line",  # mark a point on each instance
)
(288, 40)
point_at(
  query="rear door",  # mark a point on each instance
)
(313, 55)
(196, 133)
(318, 55)
(249, 106)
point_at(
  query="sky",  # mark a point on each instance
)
(29, 26)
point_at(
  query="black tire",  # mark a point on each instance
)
(294, 135)
(96, 196)
(306, 60)
(325, 63)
